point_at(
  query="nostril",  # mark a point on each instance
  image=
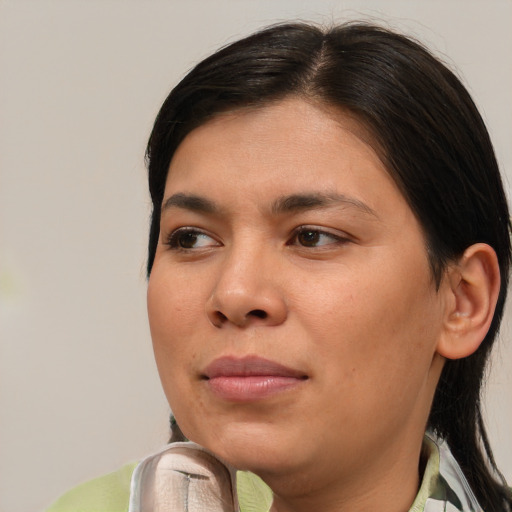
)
(221, 317)
(258, 313)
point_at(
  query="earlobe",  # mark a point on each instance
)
(474, 285)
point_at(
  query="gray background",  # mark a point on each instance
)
(80, 84)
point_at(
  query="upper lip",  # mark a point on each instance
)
(229, 366)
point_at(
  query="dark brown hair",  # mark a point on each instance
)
(432, 140)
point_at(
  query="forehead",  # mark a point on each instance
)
(283, 140)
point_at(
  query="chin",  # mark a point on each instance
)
(260, 462)
(254, 448)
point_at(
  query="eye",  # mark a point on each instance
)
(188, 238)
(313, 237)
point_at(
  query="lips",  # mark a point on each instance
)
(250, 378)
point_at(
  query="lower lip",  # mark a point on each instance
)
(251, 388)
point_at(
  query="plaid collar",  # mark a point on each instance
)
(444, 487)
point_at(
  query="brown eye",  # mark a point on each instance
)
(315, 238)
(308, 238)
(189, 239)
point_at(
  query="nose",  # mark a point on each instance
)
(247, 292)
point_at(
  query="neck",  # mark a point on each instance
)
(389, 485)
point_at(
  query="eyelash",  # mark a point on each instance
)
(174, 243)
(301, 230)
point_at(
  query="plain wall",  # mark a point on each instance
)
(80, 84)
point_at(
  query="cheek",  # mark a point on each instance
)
(173, 307)
(175, 300)
(373, 354)
(171, 320)
(374, 322)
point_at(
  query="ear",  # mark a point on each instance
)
(473, 285)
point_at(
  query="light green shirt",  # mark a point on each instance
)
(443, 488)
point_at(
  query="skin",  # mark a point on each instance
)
(349, 302)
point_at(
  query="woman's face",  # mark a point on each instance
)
(291, 304)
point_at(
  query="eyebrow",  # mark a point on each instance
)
(302, 202)
(190, 202)
(282, 205)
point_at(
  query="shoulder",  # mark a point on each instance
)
(111, 493)
(108, 493)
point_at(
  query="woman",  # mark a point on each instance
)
(328, 264)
